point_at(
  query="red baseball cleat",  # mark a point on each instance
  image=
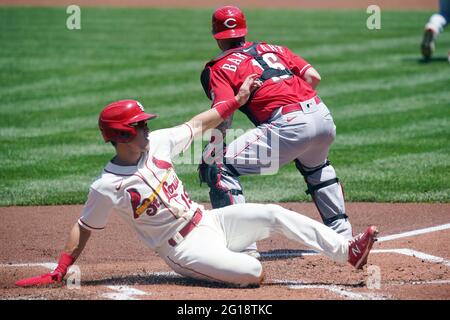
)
(359, 247)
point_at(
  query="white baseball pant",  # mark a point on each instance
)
(212, 250)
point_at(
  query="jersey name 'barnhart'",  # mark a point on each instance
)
(236, 58)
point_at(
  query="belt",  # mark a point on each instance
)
(178, 237)
(297, 106)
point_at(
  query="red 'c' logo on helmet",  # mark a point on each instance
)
(227, 23)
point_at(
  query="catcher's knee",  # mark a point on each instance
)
(221, 198)
(208, 173)
(224, 185)
(318, 177)
(212, 173)
(316, 180)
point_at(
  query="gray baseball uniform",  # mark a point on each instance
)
(292, 124)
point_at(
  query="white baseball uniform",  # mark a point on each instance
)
(193, 241)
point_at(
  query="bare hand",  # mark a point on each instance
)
(251, 83)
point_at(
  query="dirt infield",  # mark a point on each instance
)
(116, 265)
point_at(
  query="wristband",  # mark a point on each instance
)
(227, 108)
(64, 262)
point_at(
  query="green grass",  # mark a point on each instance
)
(392, 112)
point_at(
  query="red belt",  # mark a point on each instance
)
(296, 106)
(188, 227)
(291, 108)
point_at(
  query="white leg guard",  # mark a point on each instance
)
(226, 191)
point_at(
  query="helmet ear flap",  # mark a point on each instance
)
(124, 135)
(117, 135)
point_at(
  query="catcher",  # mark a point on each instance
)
(291, 122)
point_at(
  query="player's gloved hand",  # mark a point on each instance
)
(208, 159)
(57, 275)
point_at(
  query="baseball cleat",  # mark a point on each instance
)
(427, 46)
(360, 246)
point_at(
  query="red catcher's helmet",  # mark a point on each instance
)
(117, 119)
(228, 22)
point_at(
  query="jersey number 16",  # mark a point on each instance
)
(274, 62)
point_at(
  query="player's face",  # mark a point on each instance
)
(220, 45)
(140, 142)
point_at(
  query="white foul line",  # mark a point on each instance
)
(414, 232)
(416, 254)
(48, 265)
(339, 290)
(402, 283)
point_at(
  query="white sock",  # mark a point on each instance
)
(436, 24)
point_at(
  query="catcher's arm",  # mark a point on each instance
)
(301, 68)
(312, 77)
(78, 238)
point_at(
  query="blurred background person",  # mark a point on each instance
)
(434, 27)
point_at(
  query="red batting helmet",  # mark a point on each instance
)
(228, 22)
(117, 120)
